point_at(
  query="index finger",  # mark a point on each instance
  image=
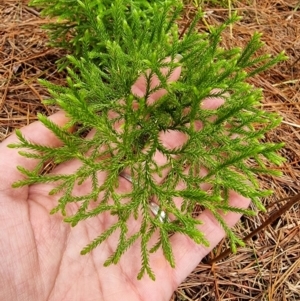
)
(140, 86)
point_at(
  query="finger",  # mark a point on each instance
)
(187, 253)
(213, 102)
(140, 87)
(172, 139)
(35, 133)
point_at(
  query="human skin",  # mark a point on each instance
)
(40, 254)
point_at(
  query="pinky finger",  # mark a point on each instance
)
(187, 253)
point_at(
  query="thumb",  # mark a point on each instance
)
(10, 158)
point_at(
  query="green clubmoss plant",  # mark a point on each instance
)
(230, 145)
(73, 22)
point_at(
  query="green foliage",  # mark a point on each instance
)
(75, 24)
(118, 45)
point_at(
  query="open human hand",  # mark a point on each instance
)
(40, 254)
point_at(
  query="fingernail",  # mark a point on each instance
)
(178, 56)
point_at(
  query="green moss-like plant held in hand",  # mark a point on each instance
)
(222, 149)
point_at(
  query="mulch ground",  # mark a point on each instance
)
(268, 268)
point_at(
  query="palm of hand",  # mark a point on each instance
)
(43, 259)
(40, 255)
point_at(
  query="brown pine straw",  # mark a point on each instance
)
(268, 267)
(274, 216)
